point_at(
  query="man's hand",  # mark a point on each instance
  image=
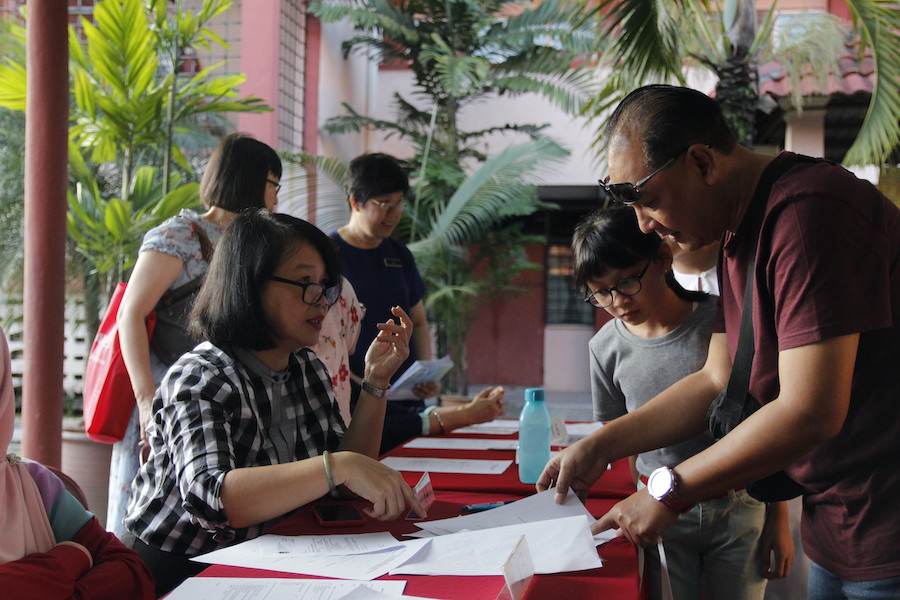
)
(640, 518)
(576, 467)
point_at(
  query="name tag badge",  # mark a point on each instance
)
(393, 262)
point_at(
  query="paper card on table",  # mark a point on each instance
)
(517, 572)
(425, 494)
(364, 593)
(446, 465)
(419, 372)
(579, 430)
(559, 436)
(552, 454)
(455, 443)
(304, 545)
(363, 567)
(495, 427)
(537, 507)
(251, 588)
(557, 545)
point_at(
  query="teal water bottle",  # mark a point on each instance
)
(534, 436)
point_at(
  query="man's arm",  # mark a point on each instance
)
(673, 416)
(810, 409)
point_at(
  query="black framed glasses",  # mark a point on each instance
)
(274, 183)
(313, 292)
(626, 287)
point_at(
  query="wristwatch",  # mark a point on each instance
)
(663, 485)
(375, 391)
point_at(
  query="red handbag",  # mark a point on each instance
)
(108, 396)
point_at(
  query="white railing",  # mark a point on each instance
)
(75, 347)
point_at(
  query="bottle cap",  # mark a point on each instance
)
(534, 394)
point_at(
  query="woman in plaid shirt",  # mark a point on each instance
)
(244, 425)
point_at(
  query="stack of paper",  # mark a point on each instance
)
(558, 537)
(420, 371)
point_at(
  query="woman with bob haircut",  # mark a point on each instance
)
(242, 173)
(245, 427)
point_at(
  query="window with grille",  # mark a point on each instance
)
(565, 304)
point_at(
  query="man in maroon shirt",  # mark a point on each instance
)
(826, 318)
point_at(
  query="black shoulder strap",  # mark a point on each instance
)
(739, 382)
(206, 248)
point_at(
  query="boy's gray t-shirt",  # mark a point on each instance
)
(627, 371)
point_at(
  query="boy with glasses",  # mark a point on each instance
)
(660, 333)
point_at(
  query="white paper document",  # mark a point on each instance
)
(311, 545)
(363, 593)
(364, 567)
(419, 372)
(249, 588)
(495, 427)
(537, 507)
(556, 545)
(446, 465)
(577, 431)
(454, 443)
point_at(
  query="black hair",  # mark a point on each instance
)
(668, 119)
(375, 174)
(236, 175)
(610, 239)
(228, 309)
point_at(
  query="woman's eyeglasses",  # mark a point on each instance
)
(313, 292)
(274, 183)
(388, 206)
(626, 287)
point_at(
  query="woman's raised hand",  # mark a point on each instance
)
(389, 348)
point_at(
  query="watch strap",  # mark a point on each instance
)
(374, 390)
(671, 499)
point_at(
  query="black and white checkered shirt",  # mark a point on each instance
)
(218, 411)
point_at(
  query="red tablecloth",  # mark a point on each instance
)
(616, 579)
(616, 483)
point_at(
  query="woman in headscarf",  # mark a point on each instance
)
(50, 546)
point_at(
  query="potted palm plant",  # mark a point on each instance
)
(460, 224)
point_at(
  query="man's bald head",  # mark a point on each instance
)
(664, 120)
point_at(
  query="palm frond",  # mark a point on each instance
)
(877, 22)
(502, 187)
(313, 189)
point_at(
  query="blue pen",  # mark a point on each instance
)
(474, 508)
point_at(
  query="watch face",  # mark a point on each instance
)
(660, 483)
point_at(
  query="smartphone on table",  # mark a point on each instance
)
(338, 515)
